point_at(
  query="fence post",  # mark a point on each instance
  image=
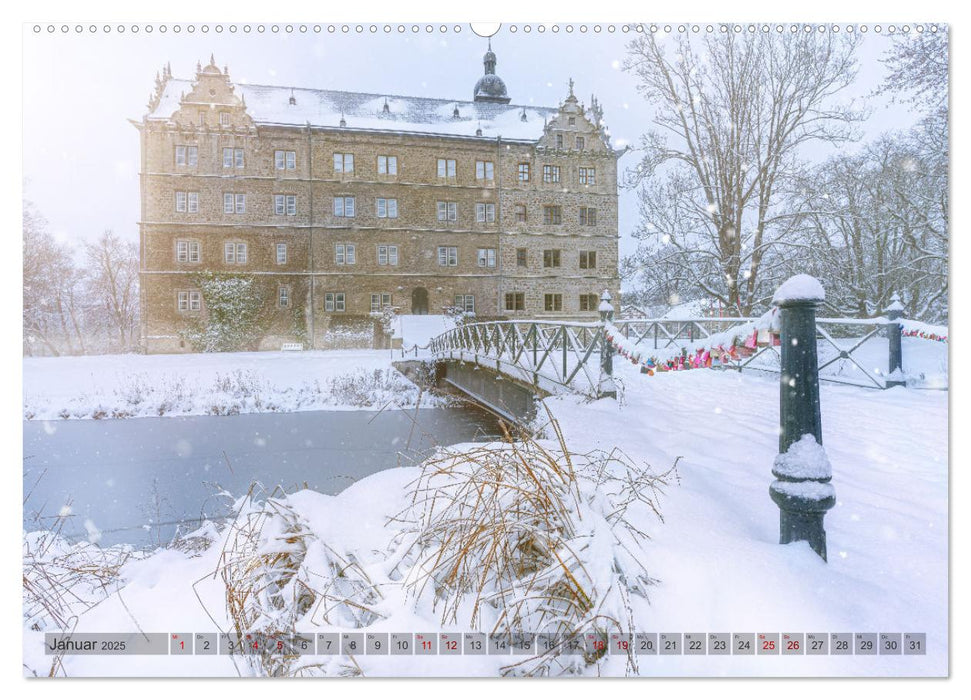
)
(802, 489)
(894, 331)
(606, 387)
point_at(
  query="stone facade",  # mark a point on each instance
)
(520, 226)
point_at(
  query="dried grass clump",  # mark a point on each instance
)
(525, 538)
(62, 580)
(272, 591)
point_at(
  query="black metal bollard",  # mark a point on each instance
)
(607, 389)
(894, 331)
(802, 489)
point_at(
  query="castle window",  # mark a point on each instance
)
(588, 176)
(344, 207)
(189, 301)
(520, 257)
(344, 254)
(285, 204)
(235, 253)
(447, 211)
(448, 256)
(232, 157)
(515, 301)
(283, 296)
(521, 213)
(334, 301)
(559, 140)
(485, 212)
(589, 302)
(187, 251)
(572, 121)
(580, 143)
(285, 160)
(386, 208)
(343, 162)
(588, 259)
(379, 301)
(551, 258)
(552, 215)
(465, 302)
(487, 257)
(187, 155)
(523, 172)
(180, 200)
(281, 253)
(234, 203)
(387, 255)
(193, 202)
(387, 165)
(588, 216)
(224, 118)
(551, 173)
(446, 167)
(483, 170)
(553, 302)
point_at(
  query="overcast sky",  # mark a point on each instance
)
(81, 153)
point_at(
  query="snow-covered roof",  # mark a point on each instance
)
(270, 104)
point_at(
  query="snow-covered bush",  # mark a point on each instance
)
(523, 537)
(370, 388)
(281, 579)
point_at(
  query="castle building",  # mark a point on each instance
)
(335, 205)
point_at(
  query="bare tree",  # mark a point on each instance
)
(112, 267)
(53, 314)
(733, 115)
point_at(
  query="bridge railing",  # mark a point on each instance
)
(850, 350)
(546, 354)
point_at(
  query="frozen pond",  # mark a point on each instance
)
(133, 481)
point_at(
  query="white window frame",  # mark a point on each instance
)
(187, 156)
(227, 157)
(239, 158)
(180, 158)
(335, 302)
(229, 206)
(447, 211)
(224, 119)
(193, 200)
(182, 251)
(551, 173)
(387, 165)
(485, 212)
(235, 253)
(240, 203)
(344, 207)
(486, 257)
(281, 253)
(465, 302)
(345, 254)
(484, 170)
(343, 162)
(181, 202)
(448, 256)
(283, 296)
(446, 167)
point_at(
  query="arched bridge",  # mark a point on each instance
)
(504, 365)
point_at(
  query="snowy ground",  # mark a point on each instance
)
(716, 555)
(121, 386)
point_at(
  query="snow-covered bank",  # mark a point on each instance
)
(715, 557)
(124, 386)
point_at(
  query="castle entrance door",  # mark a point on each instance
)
(419, 301)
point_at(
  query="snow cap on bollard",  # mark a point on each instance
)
(797, 289)
(895, 304)
(605, 304)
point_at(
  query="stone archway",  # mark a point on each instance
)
(419, 301)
